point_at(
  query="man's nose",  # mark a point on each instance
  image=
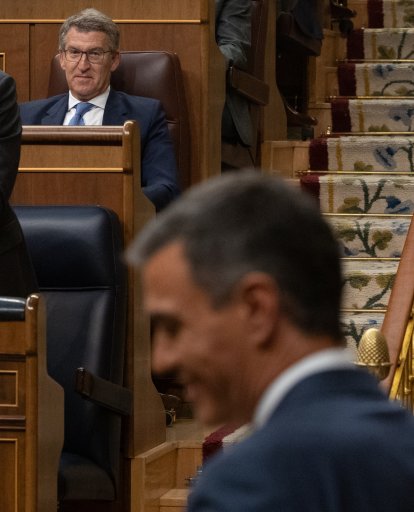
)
(84, 62)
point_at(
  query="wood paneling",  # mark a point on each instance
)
(9, 457)
(31, 416)
(10, 400)
(127, 9)
(43, 47)
(14, 44)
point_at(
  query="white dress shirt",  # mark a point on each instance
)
(94, 116)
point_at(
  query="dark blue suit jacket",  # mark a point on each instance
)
(158, 164)
(17, 277)
(334, 444)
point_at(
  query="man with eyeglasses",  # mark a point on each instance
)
(89, 53)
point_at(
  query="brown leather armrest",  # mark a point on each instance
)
(248, 86)
(103, 392)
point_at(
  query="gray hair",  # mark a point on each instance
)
(244, 222)
(90, 20)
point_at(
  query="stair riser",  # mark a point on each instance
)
(363, 154)
(367, 285)
(376, 238)
(381, 44)
(373, 116)
(376, 79)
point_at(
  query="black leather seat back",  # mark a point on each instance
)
(76, 253)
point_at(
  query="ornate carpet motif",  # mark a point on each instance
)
(376, 79)
(367, 193)
(368, 285)
(365, 154)
(370, 236)
(367, 288)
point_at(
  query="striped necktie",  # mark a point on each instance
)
(81, 109)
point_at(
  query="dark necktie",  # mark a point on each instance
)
(81, 109)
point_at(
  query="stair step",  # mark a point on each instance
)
(389, 153)
(362, 194)
(363, 236)
(376, 79)
(390, 14)
(368, 283)
(174, 500)
(380, 43)
(372, 115)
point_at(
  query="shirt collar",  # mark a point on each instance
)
(98, 101)
(324, 360)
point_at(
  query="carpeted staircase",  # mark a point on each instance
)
(362, 173)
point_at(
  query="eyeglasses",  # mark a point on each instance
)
(93, 56)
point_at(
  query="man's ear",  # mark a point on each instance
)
(260, 297)
(116, 59)
(62, 60)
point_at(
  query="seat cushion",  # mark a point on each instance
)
(81, 479)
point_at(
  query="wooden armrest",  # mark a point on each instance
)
(103, 392)
(248, 86)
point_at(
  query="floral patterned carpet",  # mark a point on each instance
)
(363, 173)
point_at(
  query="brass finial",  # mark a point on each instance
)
(373, 353)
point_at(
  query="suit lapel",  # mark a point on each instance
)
(56, 114)
(115, 113)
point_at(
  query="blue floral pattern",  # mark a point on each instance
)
(384, 79)
(395, 115)
(381, 153)
(376, 237)
(366, 194)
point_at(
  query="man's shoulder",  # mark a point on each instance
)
(39, 104)
(136, 101)
(34, 112)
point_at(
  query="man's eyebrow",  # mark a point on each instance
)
(162, 317)
(89, 50)
(165, 320)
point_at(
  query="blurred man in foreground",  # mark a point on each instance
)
(242, 281)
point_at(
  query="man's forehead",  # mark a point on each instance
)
(75, 33)
(166, 279)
